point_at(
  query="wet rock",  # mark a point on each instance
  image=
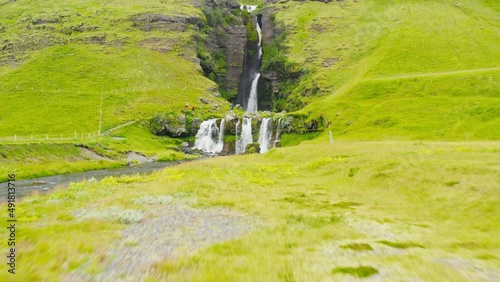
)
(137, 158)
(185, 147)
(235, 46)
(195, 125)
(230, 118)
(170, 125)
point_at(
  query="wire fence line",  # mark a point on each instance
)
(49, 137)
(131, 89)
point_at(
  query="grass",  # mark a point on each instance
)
(399, 245)
(38, 160)
(32, 160)
(56, 84)
(307, 213)
(80, 67)
(398, 70)
(357, 247)
(360, 271)
(390, 71)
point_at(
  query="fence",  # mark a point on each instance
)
(49, 137)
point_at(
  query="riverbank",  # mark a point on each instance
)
(131, 145)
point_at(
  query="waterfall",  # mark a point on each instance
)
(248, 96)
(246, 135)
(220, 141)
(209, 139)
(277, 139)
(259, 32)
(237, 125)
(253, 99)
(265, 134)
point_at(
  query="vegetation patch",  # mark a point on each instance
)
(400, 245)
(360, 271)
(346, 205)
(313, 221)
(358, 247)
(153, 200)
(451, 183)
(116, 214)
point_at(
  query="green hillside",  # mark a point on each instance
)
(59, 60)
(399, 69)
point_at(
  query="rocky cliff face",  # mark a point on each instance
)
(235, 54)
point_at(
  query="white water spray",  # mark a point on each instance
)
(277, 139)
(209, 139)
(246, 136)
(265, 134)
(249, 8)
(259, 32)
(220, 141)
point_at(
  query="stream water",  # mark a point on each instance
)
(45, 184)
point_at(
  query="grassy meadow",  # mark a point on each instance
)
(325, 212)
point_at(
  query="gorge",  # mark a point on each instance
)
(210, 138)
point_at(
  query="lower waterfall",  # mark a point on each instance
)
(265, 134)
(209, 138)
(246, 135)
(277, 139)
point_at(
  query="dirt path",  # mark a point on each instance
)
(432, 74)
(169, 230)
(107, 132)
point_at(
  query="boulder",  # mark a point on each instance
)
(185, 148)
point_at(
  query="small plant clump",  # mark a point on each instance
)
(116, 214)
(360, 271)
(358, 247)
(400, 245)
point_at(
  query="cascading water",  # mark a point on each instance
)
(249, 82)
(220, 141)
(265, 134)
(209, 139)
(277, 139)
(246, 135)
(253, 98)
